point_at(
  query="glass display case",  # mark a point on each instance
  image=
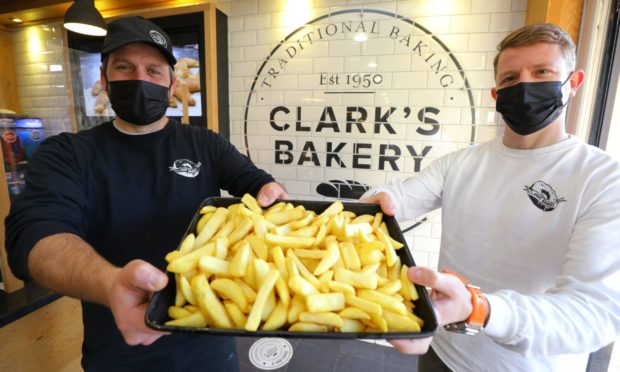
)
(20, 136)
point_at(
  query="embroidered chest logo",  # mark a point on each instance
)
(185, 168)
(543, 196)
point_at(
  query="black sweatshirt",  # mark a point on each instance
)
(129, 196)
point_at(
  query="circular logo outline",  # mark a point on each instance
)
(360, 10)
(270, 353)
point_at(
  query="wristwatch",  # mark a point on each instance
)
(479, 316)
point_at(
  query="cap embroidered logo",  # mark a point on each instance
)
(158, 38)
(137, 29)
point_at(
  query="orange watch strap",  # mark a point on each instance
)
(480, 305)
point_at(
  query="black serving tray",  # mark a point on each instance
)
(157, 311)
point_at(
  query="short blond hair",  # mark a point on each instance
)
(539, 33)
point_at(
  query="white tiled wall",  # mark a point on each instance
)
(471, 30)
(39, 60)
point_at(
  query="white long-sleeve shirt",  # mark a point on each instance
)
(539, 231)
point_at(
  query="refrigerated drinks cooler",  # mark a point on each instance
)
(19, 137)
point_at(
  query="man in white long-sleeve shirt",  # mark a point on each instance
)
(532, 218)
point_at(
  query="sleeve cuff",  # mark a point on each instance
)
(498, 326)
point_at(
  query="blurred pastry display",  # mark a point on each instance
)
(188, 82)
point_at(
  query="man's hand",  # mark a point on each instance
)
(384, 200)
(67, 264)
(270, 192)
(130, 289)
(451, 300)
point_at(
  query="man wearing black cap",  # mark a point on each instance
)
(103, 207)
(139, 96)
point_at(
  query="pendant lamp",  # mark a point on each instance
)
(82, 17)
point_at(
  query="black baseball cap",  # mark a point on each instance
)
(137, 29)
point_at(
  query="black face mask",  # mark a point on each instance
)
(138, 102)
(530, 107)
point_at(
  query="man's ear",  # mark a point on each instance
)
(173, 86)
(494, 93)
(576, 80)
(104, 81)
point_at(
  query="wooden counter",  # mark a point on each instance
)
(40, 331)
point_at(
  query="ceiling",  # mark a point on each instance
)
(38, 11)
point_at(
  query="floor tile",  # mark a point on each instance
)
(350, 362)
(243, 346)
(359, 348)
(394, 358)
(325, 343)
(393, 368)
(250, 368)
(313, 356)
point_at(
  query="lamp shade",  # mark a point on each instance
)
(82, 17)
